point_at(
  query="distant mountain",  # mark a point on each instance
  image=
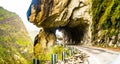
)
(15, 44)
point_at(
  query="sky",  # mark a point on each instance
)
(20, 7)
(59, 33)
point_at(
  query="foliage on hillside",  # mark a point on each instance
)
(5, 15)
(106, 22)
(46, 56)
(15, 44)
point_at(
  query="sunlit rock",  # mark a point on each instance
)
(87, 22)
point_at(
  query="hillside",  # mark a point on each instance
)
(106, 23)
(15, 44)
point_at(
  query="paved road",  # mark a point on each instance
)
(100, 55)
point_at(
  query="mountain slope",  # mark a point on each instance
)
(15, 44)
(106, 22)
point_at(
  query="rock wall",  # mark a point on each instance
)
(61, 13)
(54, 14)
(89, 22)
(106, 23)
(43, 41)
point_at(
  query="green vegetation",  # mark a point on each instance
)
(106, 20)
(4, 14)
(53, 50)
(14, 40)
(59, 50)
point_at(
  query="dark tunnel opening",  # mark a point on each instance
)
(74, 34)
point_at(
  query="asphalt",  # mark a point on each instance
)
(100, 55)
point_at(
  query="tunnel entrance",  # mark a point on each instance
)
(71, 35)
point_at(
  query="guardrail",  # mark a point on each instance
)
(54, 57)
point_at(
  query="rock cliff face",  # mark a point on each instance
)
(15, 44)
(71, 14)
(106, 23)
(82, 19)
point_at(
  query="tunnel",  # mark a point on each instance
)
(73, 35)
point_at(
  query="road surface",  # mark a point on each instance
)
(100, 55)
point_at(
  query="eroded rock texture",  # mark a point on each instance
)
(60, 13)
(43, 41)
(86, 21)
(56, 13)
(71, 15)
